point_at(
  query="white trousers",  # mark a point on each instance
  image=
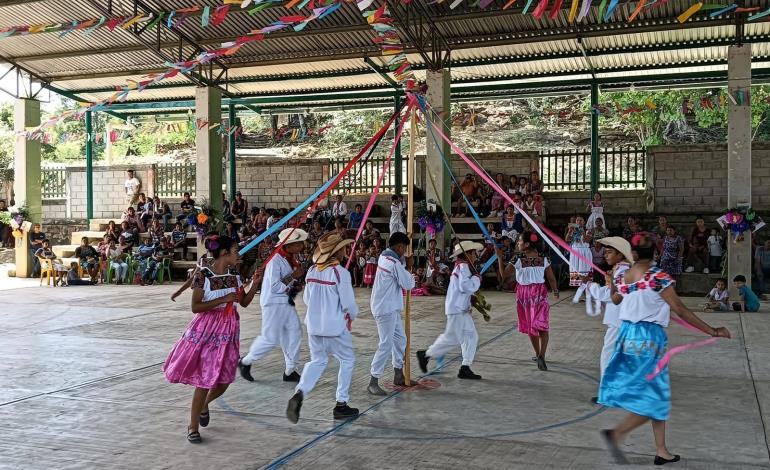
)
(321, 347)
(280, 327)
(610, 338)
(460, 330)
(392, 343)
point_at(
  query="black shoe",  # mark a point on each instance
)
(193, 437)
(541, 363)
(203, 419)
(400, 380)
(422, 360)
(295, 404)
(661, 461)
(612, 446)
(375, 389)
(467, 373)
(343, 411)
(293, 377)
(246, 371)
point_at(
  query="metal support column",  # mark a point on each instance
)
(89, 167)
(399, 157)
(594, 139)
(231, 150)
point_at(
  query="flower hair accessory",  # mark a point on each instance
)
(637, 239)
(533, 237)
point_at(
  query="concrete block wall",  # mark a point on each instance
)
(54, 209)
(692, 179)
(109, 195)
(507, 163)
(280, 182)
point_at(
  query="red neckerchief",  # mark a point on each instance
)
(289, 257)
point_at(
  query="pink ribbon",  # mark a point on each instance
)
(373, 198)
(679, 349)
(541, 229)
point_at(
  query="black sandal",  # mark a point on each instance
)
(203, 419)
(193, 437)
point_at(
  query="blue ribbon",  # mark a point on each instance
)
(421, 102)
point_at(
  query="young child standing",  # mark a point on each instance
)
(532, 308)
(579, 240)
(331, 309)
(396, 210)
(749, 301)
(596, 208)
(387, 303)
(718, 297)
(715, 251)
(206, 356)
(371, 266)
(460, 329)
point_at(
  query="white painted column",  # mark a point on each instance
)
(739, 153)
(438, 96)
(26, 180)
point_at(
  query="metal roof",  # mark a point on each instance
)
(490, 48)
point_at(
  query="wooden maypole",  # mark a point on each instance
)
(410, 170)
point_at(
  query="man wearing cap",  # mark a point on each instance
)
(280, 323)
(387, 303)
(331, 309)
(617, 253)
(460, 329)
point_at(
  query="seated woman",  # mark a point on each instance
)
(89, 259)
(112, 230)
(133, 220)
(117, 259)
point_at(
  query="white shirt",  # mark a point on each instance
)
(389, 282)
(646, 304)
(274, 291)
(462, 285)
(604, 295)
(715, 245)
(719, 296)
(132, 185)
(340, 209)
(329, 298)
(530, 274)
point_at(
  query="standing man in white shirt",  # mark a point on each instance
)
(387, 303)
(460, 329)
(280, 322)
(339, 209)
(331, 309)
(132, 187)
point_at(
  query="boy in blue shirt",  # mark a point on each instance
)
(749, 301)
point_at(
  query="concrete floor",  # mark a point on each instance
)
(81, 387)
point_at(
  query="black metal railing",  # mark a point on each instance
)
(362, 178)
(53, 182)
(570, 169)
(174, 179)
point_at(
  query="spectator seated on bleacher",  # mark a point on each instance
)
(129, 234)
(162, 211)
(187, 207)
(129, 215)
(144, 256)
(179, 239)
(156, 232)
(88, 258)
(144, 209)
(239, 207)
(116, 258)
(112, 230)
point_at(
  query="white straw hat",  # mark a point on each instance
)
(292, 235)
(466, 246)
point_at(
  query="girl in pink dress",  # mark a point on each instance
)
(206, 356)
(532, 307)
(371, 266)
(420, 289)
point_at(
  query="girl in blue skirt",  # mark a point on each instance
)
(647, 298)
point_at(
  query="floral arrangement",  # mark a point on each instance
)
(15, 217)
(203, 219)
(739, 220)
(430, 217)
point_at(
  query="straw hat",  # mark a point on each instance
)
(620, 244)
(466, 246)
(292, 235)
(329, 245)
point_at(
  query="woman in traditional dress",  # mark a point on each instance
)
(629, 382)
(596, 208)
(206, 356)
(579, 239)
(532, 269)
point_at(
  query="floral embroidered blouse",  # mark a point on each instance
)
(642, 300)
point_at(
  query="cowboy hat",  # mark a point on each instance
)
(621, 245)
(466, 246)
(291, 235)
(328, 246)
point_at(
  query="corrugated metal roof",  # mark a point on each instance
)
(487, 46)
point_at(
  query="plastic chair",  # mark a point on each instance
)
(109, 270)
(165, 268)
(47, 270)
(133, 266)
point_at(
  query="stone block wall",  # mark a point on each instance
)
(280, 182)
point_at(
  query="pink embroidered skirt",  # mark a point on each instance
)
(207, 353)
(532, 308)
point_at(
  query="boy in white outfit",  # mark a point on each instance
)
(387, 303)
(617, 253)
(460, 329)
(331, 309)
(280, 322)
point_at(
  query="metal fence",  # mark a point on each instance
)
(53, 182)
(362, 178)
(174, 179)
(570, 169)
